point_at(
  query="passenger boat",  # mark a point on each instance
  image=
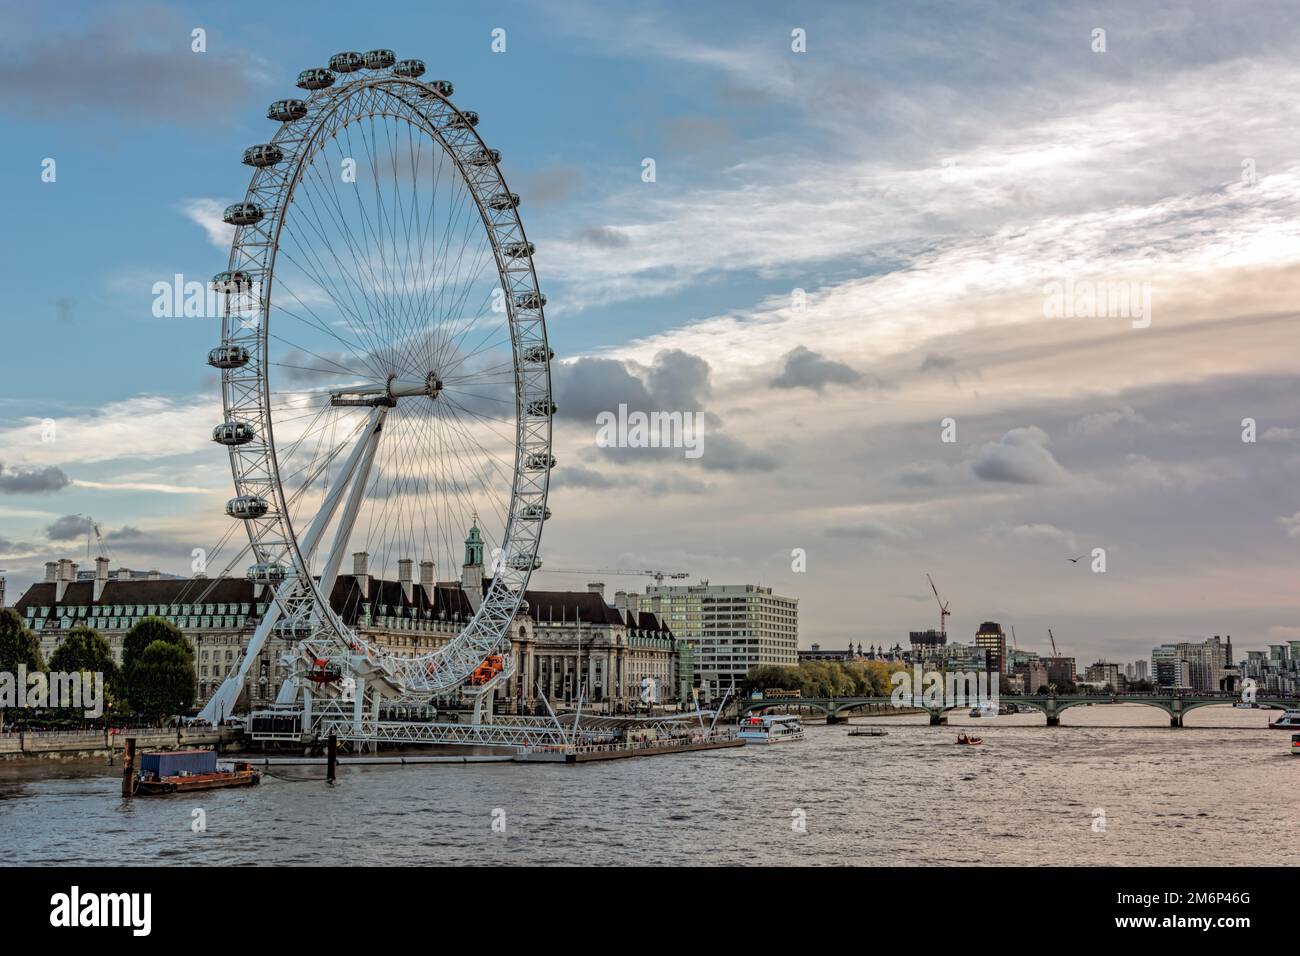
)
(770, 729)
(185, 771)
(1290, 720)
(1295, 745)
(868, 733)
(968, 740)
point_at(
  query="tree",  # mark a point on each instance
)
(147, 632)
(86, 651)
(162, 680)
(18, 645)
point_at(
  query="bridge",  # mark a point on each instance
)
(1176, 706)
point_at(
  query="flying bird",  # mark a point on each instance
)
(1076, 560)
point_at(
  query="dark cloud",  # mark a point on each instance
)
(695, 134)
(724, 453)
(551, 185)
(1021, 456)
(33, 481)
(805, 368)
(68, 528)
(678, 380)
(588, 386)
(935, 361)
(124, 534)
(16, 547)
(606, 237)
(137, 65)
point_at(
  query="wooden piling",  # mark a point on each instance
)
(128, 768)
(331, 757)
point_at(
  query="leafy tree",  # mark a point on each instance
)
(85, 650)
(18, 645)
(147, 632)
(162, 680)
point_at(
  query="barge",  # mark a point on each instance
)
(187, 771)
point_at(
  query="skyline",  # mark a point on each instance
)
(926, 236)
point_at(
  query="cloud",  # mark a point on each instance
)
(1048, 532)
(1291, 524)
(124, 534)
(68, 528)
(935, 361)
(207, 214)
(805, 368)
(1098, 422)
(544, 187)
(673, 381)
(606, 237)
(131, 62)
(33, 481)
(1020, 456)
(870, 529)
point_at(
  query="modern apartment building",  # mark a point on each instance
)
(733, 626)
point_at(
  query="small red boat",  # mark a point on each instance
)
(969, 740)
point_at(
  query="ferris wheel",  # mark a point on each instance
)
(384, 365)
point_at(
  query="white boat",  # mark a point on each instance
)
(769, 729)
(1290, 720)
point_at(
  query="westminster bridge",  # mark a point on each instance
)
(839, 709)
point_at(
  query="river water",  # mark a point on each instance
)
(1113, 785)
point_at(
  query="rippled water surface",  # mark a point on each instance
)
(1199, 795)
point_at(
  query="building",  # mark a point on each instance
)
(1060, 670)
(991, 637)
(921, 641)
(566, 643)
(955, 657)
(1209, 670)
(1104, 674)
(733, 627)
(819, 653)
(1140, 672)
(1275, 671)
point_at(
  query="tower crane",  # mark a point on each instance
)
(944, 613)
(99, 538)
(1055, 652)
(658, 575)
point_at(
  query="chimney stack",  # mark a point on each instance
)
(66, 574)
(101, 576)
(51, 571)
(596, 587)
(620, 600)
(361, 572)
(154, 575)
(426, 577)
(404, 575)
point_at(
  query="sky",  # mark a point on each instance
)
(848, 253)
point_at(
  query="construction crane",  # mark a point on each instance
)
(1014, 645)
(99, 538)
(1055, 652)
(657, 575)
(944, 613)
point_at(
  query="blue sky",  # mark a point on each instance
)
(921, 172)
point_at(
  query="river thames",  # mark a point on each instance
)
(1114, 785)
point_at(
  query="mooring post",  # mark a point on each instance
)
(331, 757)
(128, 768)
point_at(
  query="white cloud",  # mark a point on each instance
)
(207, 214)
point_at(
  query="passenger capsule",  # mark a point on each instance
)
(539, 461)
(267, 572)
(348, 62)
(411, 68)
(503, 201)
(465, 119)
(379, 59)
(485, 157)
(247, 506)
(524, 562)
(286, 111)
(265, 154)
(541, 406)
(442, 87)
(229, 282)
(518, 250)
(315, 79)
(233, 433)
(530, 300)
(228, 356)
(242, 214)
(537, 354)
(535, 513)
